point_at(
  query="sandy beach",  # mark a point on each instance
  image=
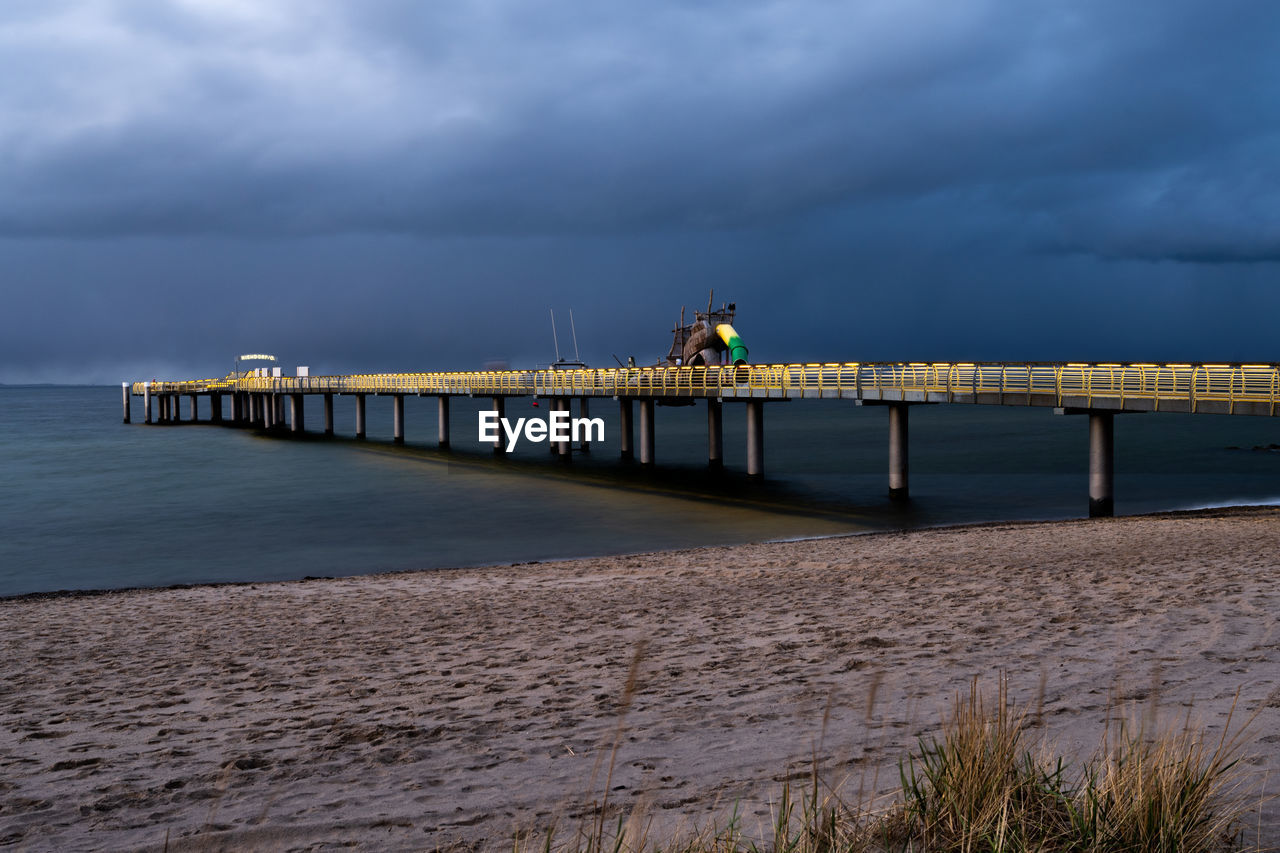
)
(417, 710)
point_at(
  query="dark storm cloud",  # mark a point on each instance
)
(1121, 129)
(392, 184)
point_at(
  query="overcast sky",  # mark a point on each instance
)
(406, 185)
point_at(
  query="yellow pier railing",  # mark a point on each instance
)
(1252, 389)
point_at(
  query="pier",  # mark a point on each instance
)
(1097, 390)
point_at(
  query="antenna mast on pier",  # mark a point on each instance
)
(576, 357)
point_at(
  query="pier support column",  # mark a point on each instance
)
(124, 392)
(565, 448)
(175, 408)
(146, 402)
(1102, 438)
(646, 432)
(195, 409)
(584, 412)
(236, 413)
(500, 406)
(755, 438)
(898, 451)
(626, 440)
(215, 408)
(268, 411)
(553, 447)
(328, 414)
(397, 418)
(442, 421)
(296, 419)
(277, 400)
(715, 433)
(257, 411)
(359, 416)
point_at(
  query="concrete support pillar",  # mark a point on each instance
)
(584, 412)
(715, 433)
(277, 400)
(328, 414)
(565, 448)
(1102, 464)
(397, 418)
(646, 432)
(236, 413)
(898, 450)
(195, 408)
(255, 410)
(626, 440)
(553, 447)
(175, 407)
(442, 421)
(124, 392)
(296, 419)
(500, 406)
(215, 408)
(268, 411)
(146, 402)
(755, 438)
(359, 416)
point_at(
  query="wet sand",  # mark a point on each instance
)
(413, 710)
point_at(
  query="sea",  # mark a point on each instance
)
(88, 502)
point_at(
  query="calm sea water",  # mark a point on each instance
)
(88, 502)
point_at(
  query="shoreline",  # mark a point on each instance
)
(438, 707)
(1209, 511)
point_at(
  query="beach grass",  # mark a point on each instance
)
(986, 784)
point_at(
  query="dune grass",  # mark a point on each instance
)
(984, 785)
